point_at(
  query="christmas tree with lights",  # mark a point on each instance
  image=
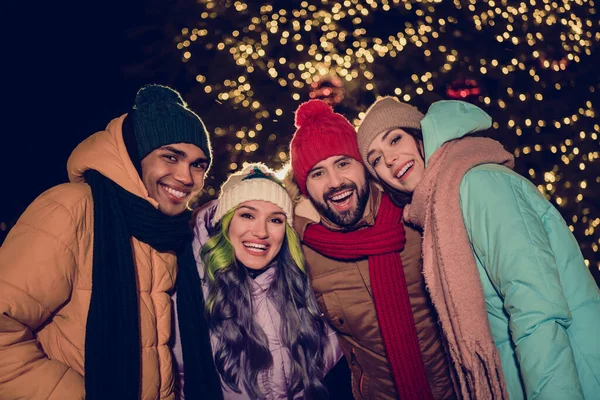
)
(532, 65)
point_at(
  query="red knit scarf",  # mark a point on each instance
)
(382, 244)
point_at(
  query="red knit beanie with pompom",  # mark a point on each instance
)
(321, 134)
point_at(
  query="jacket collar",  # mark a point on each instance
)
(263, 282)
(106, 153)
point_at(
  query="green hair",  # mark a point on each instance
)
(218, 253)
(293, 243)
(244, 346)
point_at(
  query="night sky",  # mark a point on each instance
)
(66, 71)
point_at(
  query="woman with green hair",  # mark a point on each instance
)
(266, 331)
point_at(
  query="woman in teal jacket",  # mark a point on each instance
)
(480, 219)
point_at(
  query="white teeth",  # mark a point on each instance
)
(256, 246)
(404, 169)
(175, 193)
(342, 195)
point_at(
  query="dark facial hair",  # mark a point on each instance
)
(348, 218)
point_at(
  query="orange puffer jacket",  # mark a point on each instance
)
(46, 281)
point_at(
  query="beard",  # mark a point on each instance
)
(348, 218)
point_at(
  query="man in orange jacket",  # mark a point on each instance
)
(85, 273)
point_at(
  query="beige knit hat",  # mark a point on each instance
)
(255, 181)
(386, 113)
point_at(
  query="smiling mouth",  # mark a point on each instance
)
(402, 172)
(257, 248)
(341, 200)
(176, 194)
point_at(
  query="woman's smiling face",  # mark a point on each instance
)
(257, 231)
(396, 157)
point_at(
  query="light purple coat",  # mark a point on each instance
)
(275, 381)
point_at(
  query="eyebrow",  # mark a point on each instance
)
(200, 160)
(385, 135)
(313, 169)
(341, 159)
(183, 154)
(255, 209)
(174, 150)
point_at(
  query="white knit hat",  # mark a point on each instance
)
(255, 181)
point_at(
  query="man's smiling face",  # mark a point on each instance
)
(338, 188)
(173, 174)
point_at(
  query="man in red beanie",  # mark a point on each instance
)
(364, 264)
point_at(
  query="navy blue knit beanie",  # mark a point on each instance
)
(161, 117)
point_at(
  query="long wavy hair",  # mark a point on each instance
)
(243, 349)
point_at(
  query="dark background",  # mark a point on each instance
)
(63, 65)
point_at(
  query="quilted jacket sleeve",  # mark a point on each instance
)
(332, 352)
(503, 216)
(37, 267)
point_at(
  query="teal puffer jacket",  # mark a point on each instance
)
(542, 302)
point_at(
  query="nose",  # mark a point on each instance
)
(259, 229)
(389, 158)
(335, 180)
(184, 175)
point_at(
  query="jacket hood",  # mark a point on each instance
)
(451, 119)
(106, 153)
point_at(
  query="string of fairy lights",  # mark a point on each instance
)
(296, 45)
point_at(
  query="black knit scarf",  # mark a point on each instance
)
(112, 345)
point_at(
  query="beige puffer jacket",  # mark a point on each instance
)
(343, 291)
(45, 284)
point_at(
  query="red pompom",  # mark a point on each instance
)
(311, 111)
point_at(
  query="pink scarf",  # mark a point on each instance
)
(449, 266)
